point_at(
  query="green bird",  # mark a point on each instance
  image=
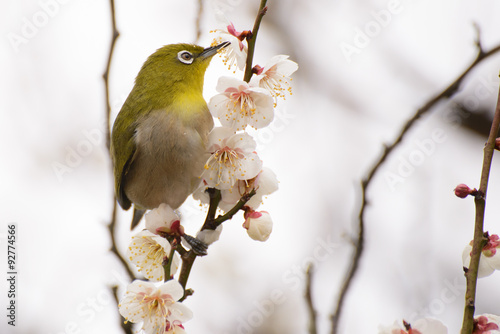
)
(159, 137)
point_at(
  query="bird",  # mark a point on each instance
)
(159, 137)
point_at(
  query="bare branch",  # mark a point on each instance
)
(388, 149)
(252, 39)
(198, 22)
(310, 305)
(126, 325)
(480, 238)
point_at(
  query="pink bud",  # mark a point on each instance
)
(462, 191)
(257, 69)
(483, 326)
(497, 144)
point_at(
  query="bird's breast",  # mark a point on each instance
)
(170, 155)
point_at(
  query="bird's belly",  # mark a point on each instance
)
(167, 164)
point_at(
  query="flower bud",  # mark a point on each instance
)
(258, 224)
(164, 220)
(486, 324)
(497, 144)
(462, 191)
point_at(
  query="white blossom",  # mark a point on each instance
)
(232, 158)
(156, 306)
(148, 252)
(209, 236)
(275, 76)
(238, 104)
(163, 219)
(236, 52)
(265, 183)
(258, 225)
(490, 256)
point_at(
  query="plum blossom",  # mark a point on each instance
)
(209, 236)
(148, 252)
(258, 225)
(490, 256)
(156, 306)
(265, 184)
(239, 104)
(232, 158)
(275, 75)
(163, 219)
(486, 324)
(421, 326)
(236, 52)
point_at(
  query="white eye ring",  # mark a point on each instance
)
(185, 57)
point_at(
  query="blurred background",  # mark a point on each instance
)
(364, 68)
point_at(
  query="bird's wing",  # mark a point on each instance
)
(123, 146)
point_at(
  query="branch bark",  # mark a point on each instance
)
(310, 305)
(479, 237)
(388, 149)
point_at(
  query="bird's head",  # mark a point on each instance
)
(179, 65)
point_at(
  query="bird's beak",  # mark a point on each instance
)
(209, 52)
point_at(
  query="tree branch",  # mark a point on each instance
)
(479, 236)
(359, 244)
(251, 40)
(309, 301)
(198, 22)
(126, 326)
(115, 35)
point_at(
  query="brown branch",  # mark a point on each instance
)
(359, 243)
(112, 223)
(212, 223)
(198, 22)
(114, 249)
(310, 305)
(479, 236)
(252, 39)
(126, 325)
(105, 76)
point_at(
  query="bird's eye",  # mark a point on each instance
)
(185, 57)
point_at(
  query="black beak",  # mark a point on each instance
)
(208, 52)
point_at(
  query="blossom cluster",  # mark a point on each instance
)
(234, 166)
(156, 305)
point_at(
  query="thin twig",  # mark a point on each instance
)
(126, 325)
(189, 257)
(112, 223)
(479, 237)
(251, 40)
(114, 249)
(105, 76)
(212, 223)
(309, 301)
(359, 244)
(198, 21)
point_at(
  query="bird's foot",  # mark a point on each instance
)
(198, 246)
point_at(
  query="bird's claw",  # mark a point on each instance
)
(198, 246)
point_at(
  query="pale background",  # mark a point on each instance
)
(323, 141)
